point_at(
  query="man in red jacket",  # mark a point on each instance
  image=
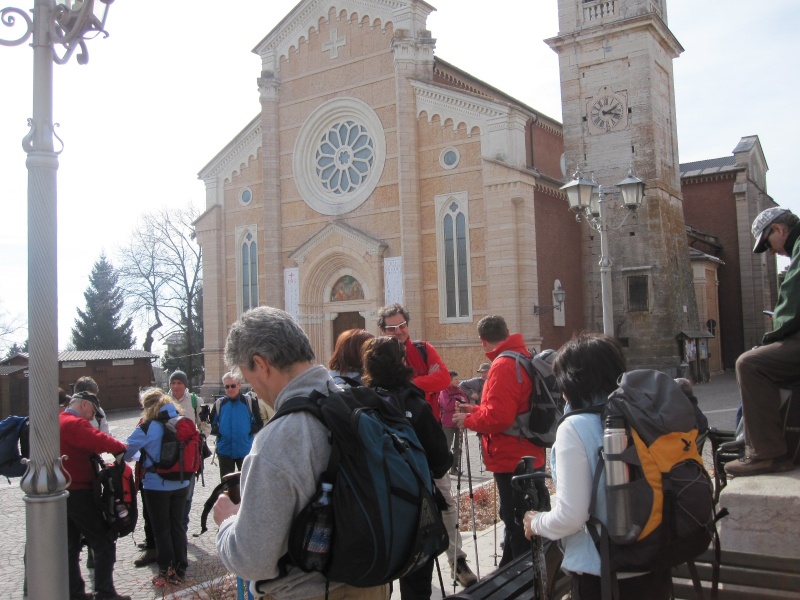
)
(503, 399)
(79, 442)
(431, 375)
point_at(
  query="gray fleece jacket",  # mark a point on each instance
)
(279, 478)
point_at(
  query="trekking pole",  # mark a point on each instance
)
(457, 500)
(524, 481)
(441, 579)
(472, 505)
(495, 522)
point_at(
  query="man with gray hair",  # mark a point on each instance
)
(235, 418)
(762, 371)
(280, 475)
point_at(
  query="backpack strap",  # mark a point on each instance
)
(422, 348)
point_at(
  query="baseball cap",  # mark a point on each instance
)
(760, 228)
(87, 396)
(484, 367)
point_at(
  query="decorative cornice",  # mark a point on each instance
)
(457, 106)
(549, 128)
(371, 245)
(304, 20)
(235, 155)
(690, 179)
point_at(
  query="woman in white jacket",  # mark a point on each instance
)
(587, 369)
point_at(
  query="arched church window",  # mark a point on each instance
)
(454, 259)
(347, 288)
(249, 270)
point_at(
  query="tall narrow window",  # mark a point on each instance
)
(453, 242)
(249, 271)
(638, 293)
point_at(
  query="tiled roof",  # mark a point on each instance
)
(708, 167)
(75, 355)
(12, 369)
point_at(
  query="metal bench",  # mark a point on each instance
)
(742, 577)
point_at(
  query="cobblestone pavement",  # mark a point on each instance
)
(136, 582)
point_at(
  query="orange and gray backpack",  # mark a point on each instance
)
(667, 506)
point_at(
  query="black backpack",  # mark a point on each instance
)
(385, 520)
(11, 430)
(539, 424)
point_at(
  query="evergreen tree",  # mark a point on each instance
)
(17, 349)
(99, 327)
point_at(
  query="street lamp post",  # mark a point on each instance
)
(587, 197)
(45, 482)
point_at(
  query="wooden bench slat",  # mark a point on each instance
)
(750, 577)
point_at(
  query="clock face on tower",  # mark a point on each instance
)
(607, 112)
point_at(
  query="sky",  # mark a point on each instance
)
(175, 81)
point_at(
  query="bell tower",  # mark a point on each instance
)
(618, 103)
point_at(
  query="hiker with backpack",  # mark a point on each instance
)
(431, 375)
(235, 419)
(283, 471)
(80, 442)
(386, 372)
(345, 365)
(190, 405)
(165, 494)
(599, 529)
(505, 395)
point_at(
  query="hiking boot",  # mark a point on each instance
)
(114, 597)
(167, 577)
(148, 557)
(463, 574)
(747, 466)
(733, 446)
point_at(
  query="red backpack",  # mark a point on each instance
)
(180, 448)
(115, 495)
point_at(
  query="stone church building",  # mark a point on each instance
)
(377, 172)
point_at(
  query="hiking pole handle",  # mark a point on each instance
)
(539, 475)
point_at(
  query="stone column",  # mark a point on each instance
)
(211, 237)
(272, 282)
(413, 59)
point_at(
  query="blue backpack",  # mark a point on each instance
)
(385, 521)
(10, 456)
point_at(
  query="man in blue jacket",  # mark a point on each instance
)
(235, 418)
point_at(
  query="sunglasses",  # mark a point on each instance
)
(231, 386)
(766, 240)
(393, 328)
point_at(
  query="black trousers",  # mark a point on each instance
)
(514, 542)
(84, 519)
(417, 585)
(166, 510)
(653, 586)
(229, 465)
(149, 538)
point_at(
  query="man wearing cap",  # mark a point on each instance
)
(190, 407)
(762, 371)
(473, 388)
(88, 384)
(80, 442)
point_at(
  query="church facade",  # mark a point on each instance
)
(377, 172)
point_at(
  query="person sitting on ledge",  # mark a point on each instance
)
(762, 371)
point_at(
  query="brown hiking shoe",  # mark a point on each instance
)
(747, 466)
(148, 557)
(463, 574)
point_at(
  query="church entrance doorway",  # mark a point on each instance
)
(345, 321)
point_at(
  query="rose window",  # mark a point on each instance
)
(345, 157)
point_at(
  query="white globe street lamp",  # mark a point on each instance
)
(587, 197)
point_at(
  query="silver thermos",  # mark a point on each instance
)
(621, 527)
(615, 440)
